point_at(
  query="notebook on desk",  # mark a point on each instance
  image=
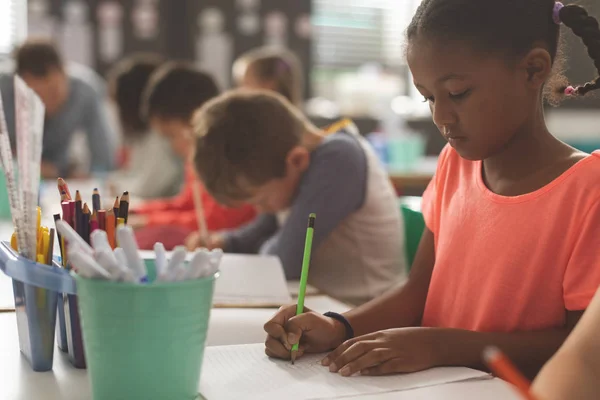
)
(244, 371)
(254, 281)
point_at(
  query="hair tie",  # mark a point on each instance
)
(570, 91)
(556, 13)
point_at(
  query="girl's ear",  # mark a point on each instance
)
(537, 66)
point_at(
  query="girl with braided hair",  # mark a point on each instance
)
(509, 253)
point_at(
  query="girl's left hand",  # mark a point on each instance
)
(386, 352)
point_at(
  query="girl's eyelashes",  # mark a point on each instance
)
(461, 95)
(453, 96)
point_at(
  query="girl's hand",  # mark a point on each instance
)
(382, 353)
(314, 332)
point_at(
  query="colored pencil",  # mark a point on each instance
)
(96, 200)
(85, 223)
(50, 254)
(78, 223)
(102, 219)
(124, 206)
(116, 208)
(110, 228)
(200, 211)
(62, 186)
(304, 274)
(502, 367)
(66, 210)
(59, 238)
(94, 222)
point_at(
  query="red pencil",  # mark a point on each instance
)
(67, 215)
(102, 219)
(62, 186)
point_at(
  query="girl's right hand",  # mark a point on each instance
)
(315, 333)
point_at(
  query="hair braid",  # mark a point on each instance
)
(587, 28)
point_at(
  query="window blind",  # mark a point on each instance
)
(13, 24)
(349, 33)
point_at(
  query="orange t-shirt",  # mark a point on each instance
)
(511, 263)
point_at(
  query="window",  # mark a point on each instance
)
(359, 45)
(13, 24)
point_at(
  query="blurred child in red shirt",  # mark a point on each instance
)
(174, 92)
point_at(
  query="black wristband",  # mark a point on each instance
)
(344, 321)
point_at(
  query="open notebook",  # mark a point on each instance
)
(247, 281)
(245, 372)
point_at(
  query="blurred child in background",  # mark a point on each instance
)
(272, 69)
(150, 169)
(174, 92)
(256, 147)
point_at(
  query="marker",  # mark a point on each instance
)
(172, 271)
(73, 237)
(127, 241)
(160, 258)
(304, 276)
(199, 264)
(85, 264)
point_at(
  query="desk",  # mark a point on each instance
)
(64, 382)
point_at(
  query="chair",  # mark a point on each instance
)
(414, 224)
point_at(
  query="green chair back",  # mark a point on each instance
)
(414, 224)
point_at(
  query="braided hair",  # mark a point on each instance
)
(511, 28)
(586, 27)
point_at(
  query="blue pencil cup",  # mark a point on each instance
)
(61, 327)
(36, 288)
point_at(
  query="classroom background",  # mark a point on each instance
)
(351, 54)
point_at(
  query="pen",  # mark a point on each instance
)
(304, 275)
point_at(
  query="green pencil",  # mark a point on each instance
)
(304, 275)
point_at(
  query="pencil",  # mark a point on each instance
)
(62, 186)
(77, 220)
(94, 222)
(59, 237)
(120, 221)
(200, 211)
(116, 209)
(501, 366)
(110, 228)
(102, 219)
(124, 206)
(96, 200)
(85, 224)
(66, 212)
(50, 254)
(304, 275)
(63, 196)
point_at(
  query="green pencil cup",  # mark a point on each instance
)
(144, 341)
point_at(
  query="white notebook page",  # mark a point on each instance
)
(245, 372)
